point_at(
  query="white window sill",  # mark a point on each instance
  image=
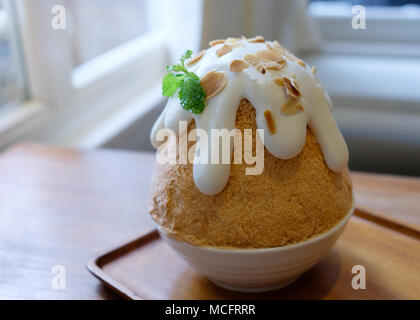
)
(110, 126)
(36, 122)
(374, 95)
(368, 77)
(17, 120)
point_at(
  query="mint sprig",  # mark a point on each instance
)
(191, 93)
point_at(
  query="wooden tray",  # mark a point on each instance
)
(147, 268)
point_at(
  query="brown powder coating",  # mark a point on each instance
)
(291, 201)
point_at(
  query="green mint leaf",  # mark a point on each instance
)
(186, 56)
(176, 68)
(191, 93)
(170, 84)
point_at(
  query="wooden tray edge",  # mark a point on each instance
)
(94, 264)
(387, 221)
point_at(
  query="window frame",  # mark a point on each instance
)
(360, 106)
(10, 33)
(387, 29)
(71, 102)
(50, 64)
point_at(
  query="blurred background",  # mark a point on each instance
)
(94, 81)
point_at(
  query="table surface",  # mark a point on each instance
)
(61, 207)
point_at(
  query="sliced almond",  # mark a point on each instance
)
(216, 42)
(301, 63)
(256, 39)
(223, 50)
(232, 40)
(270, 121)
(291, 107)
(291, 87)
(270, 46)
(292, 57)
(270, 55)
(277, 45)
(238, 65)
(271, 65)
(313, 70)
(274, 46)
(261, 68)
(195, 58)
(213, 82)
(252, 59)
(279, 82)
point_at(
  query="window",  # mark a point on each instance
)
(100, 25)
(391, 28)
(379, 67)
(12, 88)
(373, 77)
(89, 80)
(375, 2)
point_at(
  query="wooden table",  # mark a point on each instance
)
(60, 207)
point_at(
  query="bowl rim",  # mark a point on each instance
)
(317, 238)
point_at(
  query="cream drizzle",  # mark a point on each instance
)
(264, 94)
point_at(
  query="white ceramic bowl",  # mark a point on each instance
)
(258, 270)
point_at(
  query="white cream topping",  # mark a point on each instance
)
(264, 94)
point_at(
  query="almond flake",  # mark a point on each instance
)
(271, 65)
(291, 107)
(277, 45)
(213, 82)
(252, 59)
(195, 58)
(274, 46)
(261, 68)
(270, 121)
(223, 50)
(238, 65)
(216, 42)
(256, 39)
(313, 70)
(270, 55)
(279, 82)
(291, 87)
(232, 40)
(270, 46)
(292, 57)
